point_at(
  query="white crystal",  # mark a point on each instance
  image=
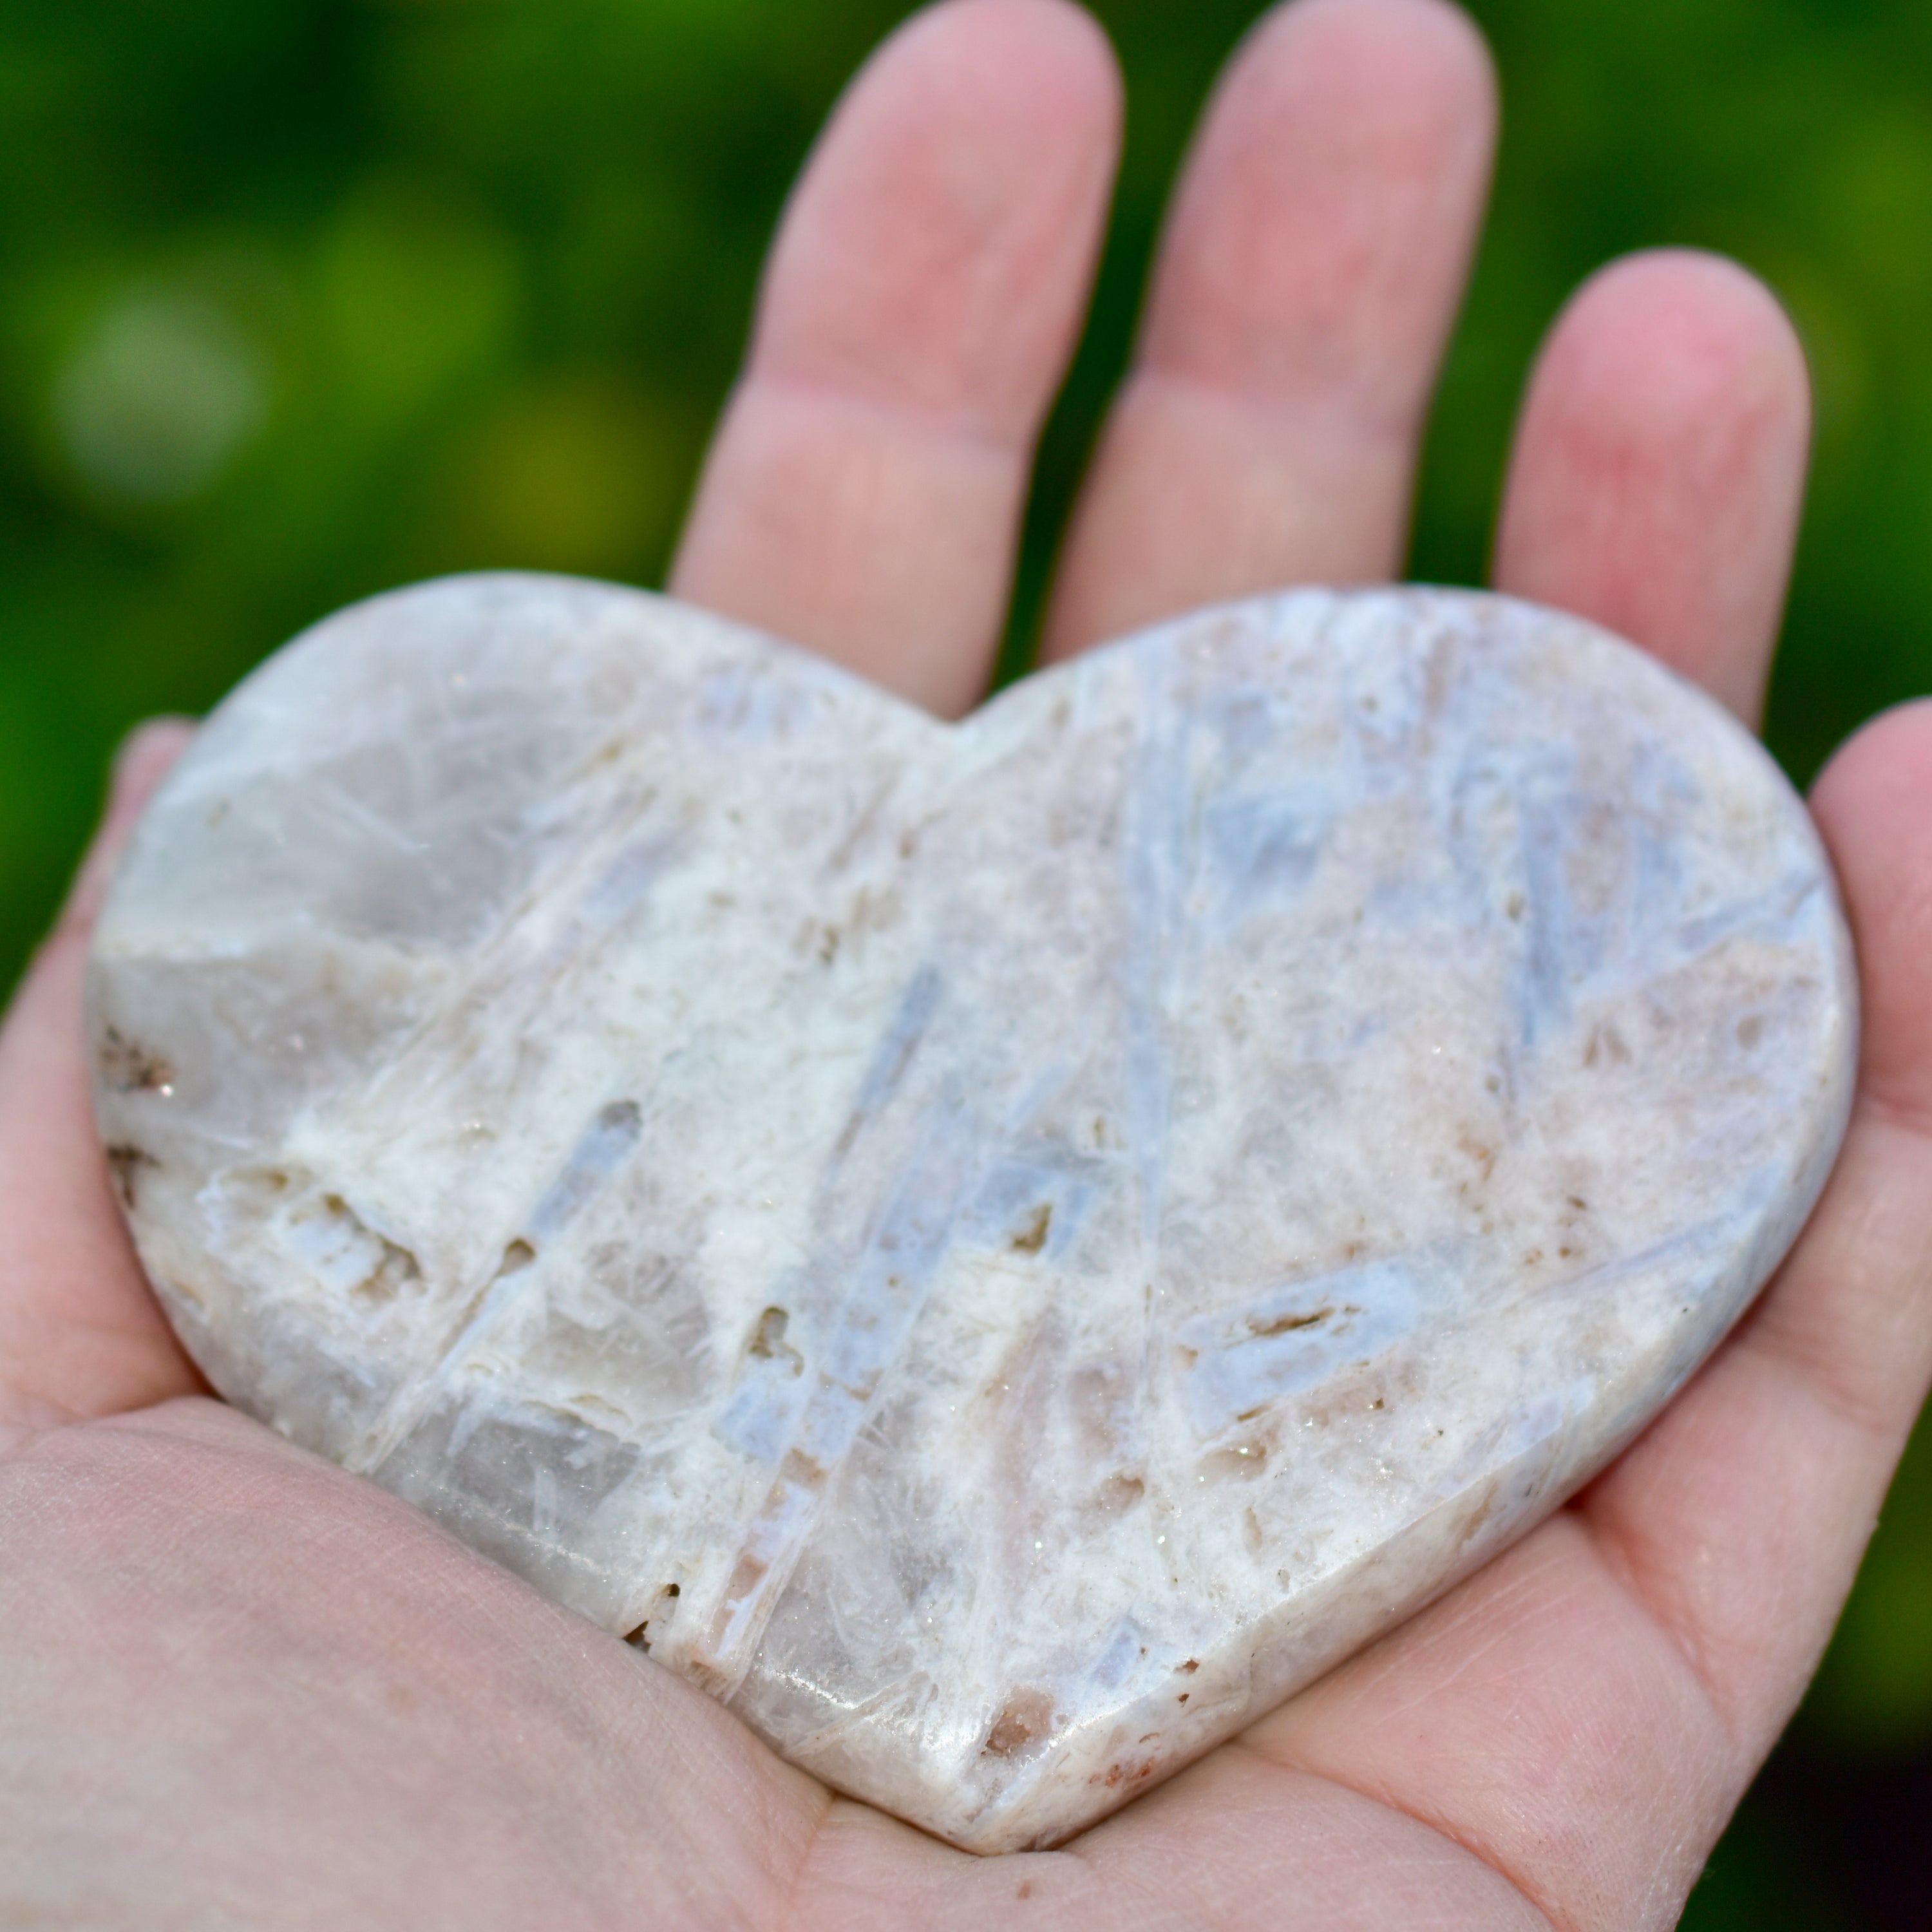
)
(999, 1250)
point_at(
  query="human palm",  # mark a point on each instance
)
(240, 1688)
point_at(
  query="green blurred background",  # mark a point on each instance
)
(299, 299)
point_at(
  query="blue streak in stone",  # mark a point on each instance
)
(605, 1145)
(760, 1418)
(1545, 996)
(1153, 862)
(1292, 1336)
(895, 1053)
(1261, 848)
(601, 1149)
(889, 1287)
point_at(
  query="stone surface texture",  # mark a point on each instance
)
(999, 1250)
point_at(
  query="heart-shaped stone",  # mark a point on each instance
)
(999, 1250)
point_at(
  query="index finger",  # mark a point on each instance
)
(863, 494)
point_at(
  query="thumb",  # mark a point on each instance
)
(80, 1334)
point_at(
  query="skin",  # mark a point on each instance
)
(241, 1688)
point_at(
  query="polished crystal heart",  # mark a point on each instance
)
(999, 1250)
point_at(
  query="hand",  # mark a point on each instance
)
(240, 1688)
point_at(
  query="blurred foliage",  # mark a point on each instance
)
(1875, 1689)
(1757, 1880)
(302, 297)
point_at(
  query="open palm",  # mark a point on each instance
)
(240, 1688)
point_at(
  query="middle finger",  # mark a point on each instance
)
(1312, 265)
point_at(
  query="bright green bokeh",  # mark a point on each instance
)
(299, 299)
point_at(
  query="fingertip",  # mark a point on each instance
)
(1701, 330)
(936, 252)
(1659, 467)
(1058, 32)
(143, 758)
(1887, 763)
(1320, 236)
(1874, 805)
(1435, 43)
(140, 762)
(1040, 54)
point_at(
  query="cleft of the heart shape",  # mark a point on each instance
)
(1000, 1250)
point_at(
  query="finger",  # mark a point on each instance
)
(864, 492)
(1586, 1711)
(1744, 1516)
(1659, 467)
(80, 1335)
(1311, 268)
